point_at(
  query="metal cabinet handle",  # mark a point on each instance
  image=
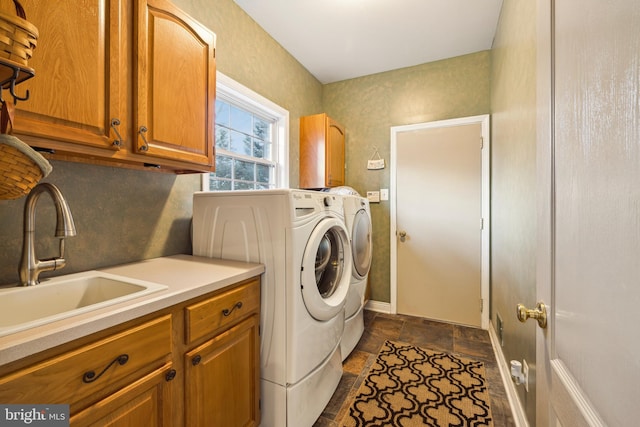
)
(118, 141)
(90, 376)
(196, 360)
(142, 131)
(227, 312)
(170, 375)
(539, 313)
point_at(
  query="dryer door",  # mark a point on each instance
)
(361, 246)
(326, 269)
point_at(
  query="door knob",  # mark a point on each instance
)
(403, 235)
(539, 313)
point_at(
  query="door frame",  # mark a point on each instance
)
(486, 220)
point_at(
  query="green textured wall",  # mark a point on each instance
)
(513, 206)
(369, 106)
(125, 215)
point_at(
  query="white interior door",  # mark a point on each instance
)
(588, 357)
(438, 262)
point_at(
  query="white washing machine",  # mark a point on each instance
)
(301, 238)
(358, 221)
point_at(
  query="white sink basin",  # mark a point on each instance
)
(57, 298)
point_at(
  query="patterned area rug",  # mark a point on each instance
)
(411, 386)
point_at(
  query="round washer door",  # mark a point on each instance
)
(326, 269)
(361, 246)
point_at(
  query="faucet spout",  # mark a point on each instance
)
(30, 266)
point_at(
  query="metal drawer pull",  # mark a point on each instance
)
(227, 312)
(91, 376)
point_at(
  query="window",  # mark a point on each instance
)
(251, 140)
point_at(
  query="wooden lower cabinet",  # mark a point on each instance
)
(223, 379)
(90, 372)
(146, 402)
(164, 370)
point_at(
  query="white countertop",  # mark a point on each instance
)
(185, 276)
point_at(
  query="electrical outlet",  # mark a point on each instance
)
(525, 374)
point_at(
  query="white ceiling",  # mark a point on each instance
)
(342, 39)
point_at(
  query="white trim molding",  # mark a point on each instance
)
(519, 415)
(241, 95)
(379, 306)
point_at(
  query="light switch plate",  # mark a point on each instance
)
(384, 194)
(373, 196)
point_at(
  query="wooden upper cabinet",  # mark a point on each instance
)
(107, 69)
(80, 70)
(176, 85)
(322, 148)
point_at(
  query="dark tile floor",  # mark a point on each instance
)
(461, 340)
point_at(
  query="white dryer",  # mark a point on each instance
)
(301, 238)
(358, 221)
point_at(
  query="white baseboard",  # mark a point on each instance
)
(519, 414)
(379, 306)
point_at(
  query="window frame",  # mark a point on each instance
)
(243, 97)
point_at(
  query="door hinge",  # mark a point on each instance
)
(481, 223)
(481, 305)
(481, 143)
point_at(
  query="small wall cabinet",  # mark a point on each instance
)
(193, 364)
(121, 82)
(322, 144)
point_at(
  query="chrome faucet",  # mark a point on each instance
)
(31, 267)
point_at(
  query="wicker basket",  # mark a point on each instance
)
(17, 36)
(21, 168)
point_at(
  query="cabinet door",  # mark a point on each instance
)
(335, 153)
(321, 152)
(146, 402)
(312, 151)
(223, 379)
(175, 85)
(79, 75)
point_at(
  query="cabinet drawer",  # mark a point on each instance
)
(211, 314)
(67, 379)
